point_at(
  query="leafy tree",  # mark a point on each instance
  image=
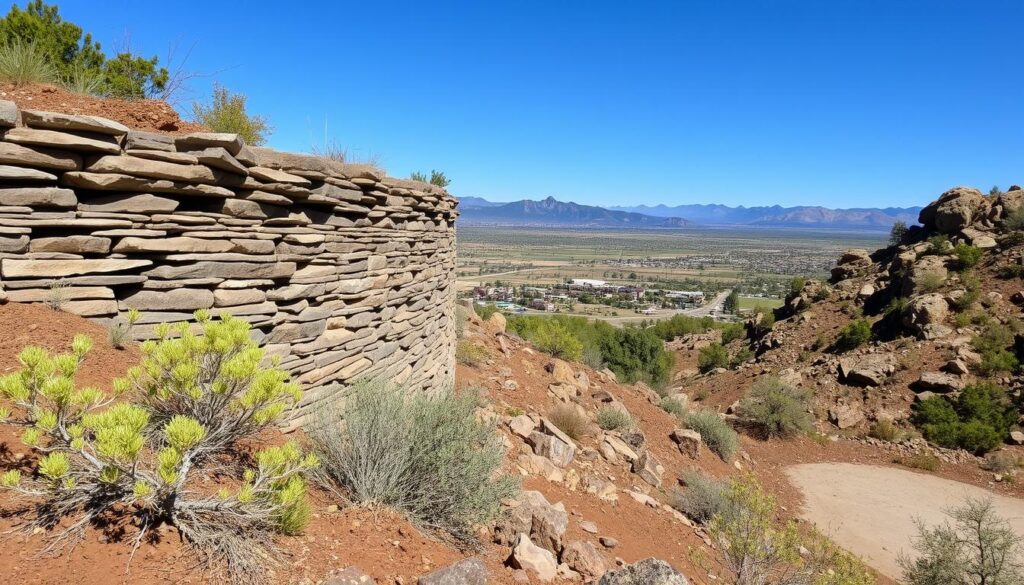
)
(227, 114)
(436, 178)
(896, 233)
(732, 303)
(75, 55)
(977, 548)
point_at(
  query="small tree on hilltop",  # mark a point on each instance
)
(977, 548)
(436, 178)
(896, 233)
(192, 399)
(732, 303)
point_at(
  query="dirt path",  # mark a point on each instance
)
(870, 510)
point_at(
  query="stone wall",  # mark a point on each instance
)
(342, 271)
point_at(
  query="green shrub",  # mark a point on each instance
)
(24, 62)
(570, 421)
(427, 456)
(1002, 462)
(742, 355)
(185, 409)
(972, 290)
(1014, 219)
(436, 178)
(977, 420)
(119, 333)
(939, 244)
(929, 281)
(992, 344)
(796, 286)
(227, 114)
(485, 311)
(778, 409)
(922, 461)
(853, 335)
(611, 418)
(967, 256)
(732, 331)
(470, 354)
(715, 432)
(977, 547)
(711, 357)
(672, 406)
(703, 499)
(556, 340)
(884, 430)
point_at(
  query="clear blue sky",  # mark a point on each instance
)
(833, 102)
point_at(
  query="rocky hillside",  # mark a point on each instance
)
(928, 317)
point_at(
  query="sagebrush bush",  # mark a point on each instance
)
(884, 430)
(1002, 462)
(733, 331)
(569, 420)
(923, 461)
(470, 353)
(119, 333)
(227, 114)
(776, 408)
(715, 432)
(853, 335)
(993, 344)
(142, 451)
(427, 456)
(611, 418)
(672, 406)
(1014, 219)
(711, 357)
(23, 62)
(703, 499)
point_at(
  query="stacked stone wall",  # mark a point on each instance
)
(343, 272)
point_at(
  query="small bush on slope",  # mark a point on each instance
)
(977, 420)
(778, 409)
(192, 399)
(469, 353)
(757, 552)
(977, 547)
(853, 335)
(227, 114)
(23, 62)
(611, 418)
(715, 432)
(711, 357)
(703, 499)
(569, 420)
(427, 456)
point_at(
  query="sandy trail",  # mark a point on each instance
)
(870, 510)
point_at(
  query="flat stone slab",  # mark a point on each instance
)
(38, 197)
(12, 173)
(43, 158)
(18, 268)
(51, 138)
(152, 169)
(56, 121)
(202, 140)
(120, 182)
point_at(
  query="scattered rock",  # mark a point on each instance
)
(583, 558)
(645, 572)
(469, 571)
(532, 558)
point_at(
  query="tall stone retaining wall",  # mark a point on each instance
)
(343, 272)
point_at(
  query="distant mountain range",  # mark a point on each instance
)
(551, 212)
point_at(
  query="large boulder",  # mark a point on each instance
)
(533, 515)
(868, 370)
(954, 210)
(584, 558)
(645, 572)
(530, 557)
(925, 272)
(925, 310)
(942, 382)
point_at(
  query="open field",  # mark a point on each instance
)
(751, 260)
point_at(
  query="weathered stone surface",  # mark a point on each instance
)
(137, 139)
(868, 370)
(583, 558)
(71, 122)
(43, 158)
(72, 245)
(230, 298)
(152, 169)
(170, 245)
(471, 571)
(275, 176)
(349, 576)
(11, 173)
(38, 197)
(845, 416)
(8, 114)
(648, 468)
(119, 182)
(534, 559)
(953, 210)
(219, 158)
(62, 140)
(17, 268)
(224, 270)
(645, 572)
(182, 299)
(143, 203)
(940, 382)
(70, 293)
(203, 140)
(689, 442)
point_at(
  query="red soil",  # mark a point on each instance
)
(151, 115)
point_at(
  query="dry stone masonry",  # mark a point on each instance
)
(342, 272)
